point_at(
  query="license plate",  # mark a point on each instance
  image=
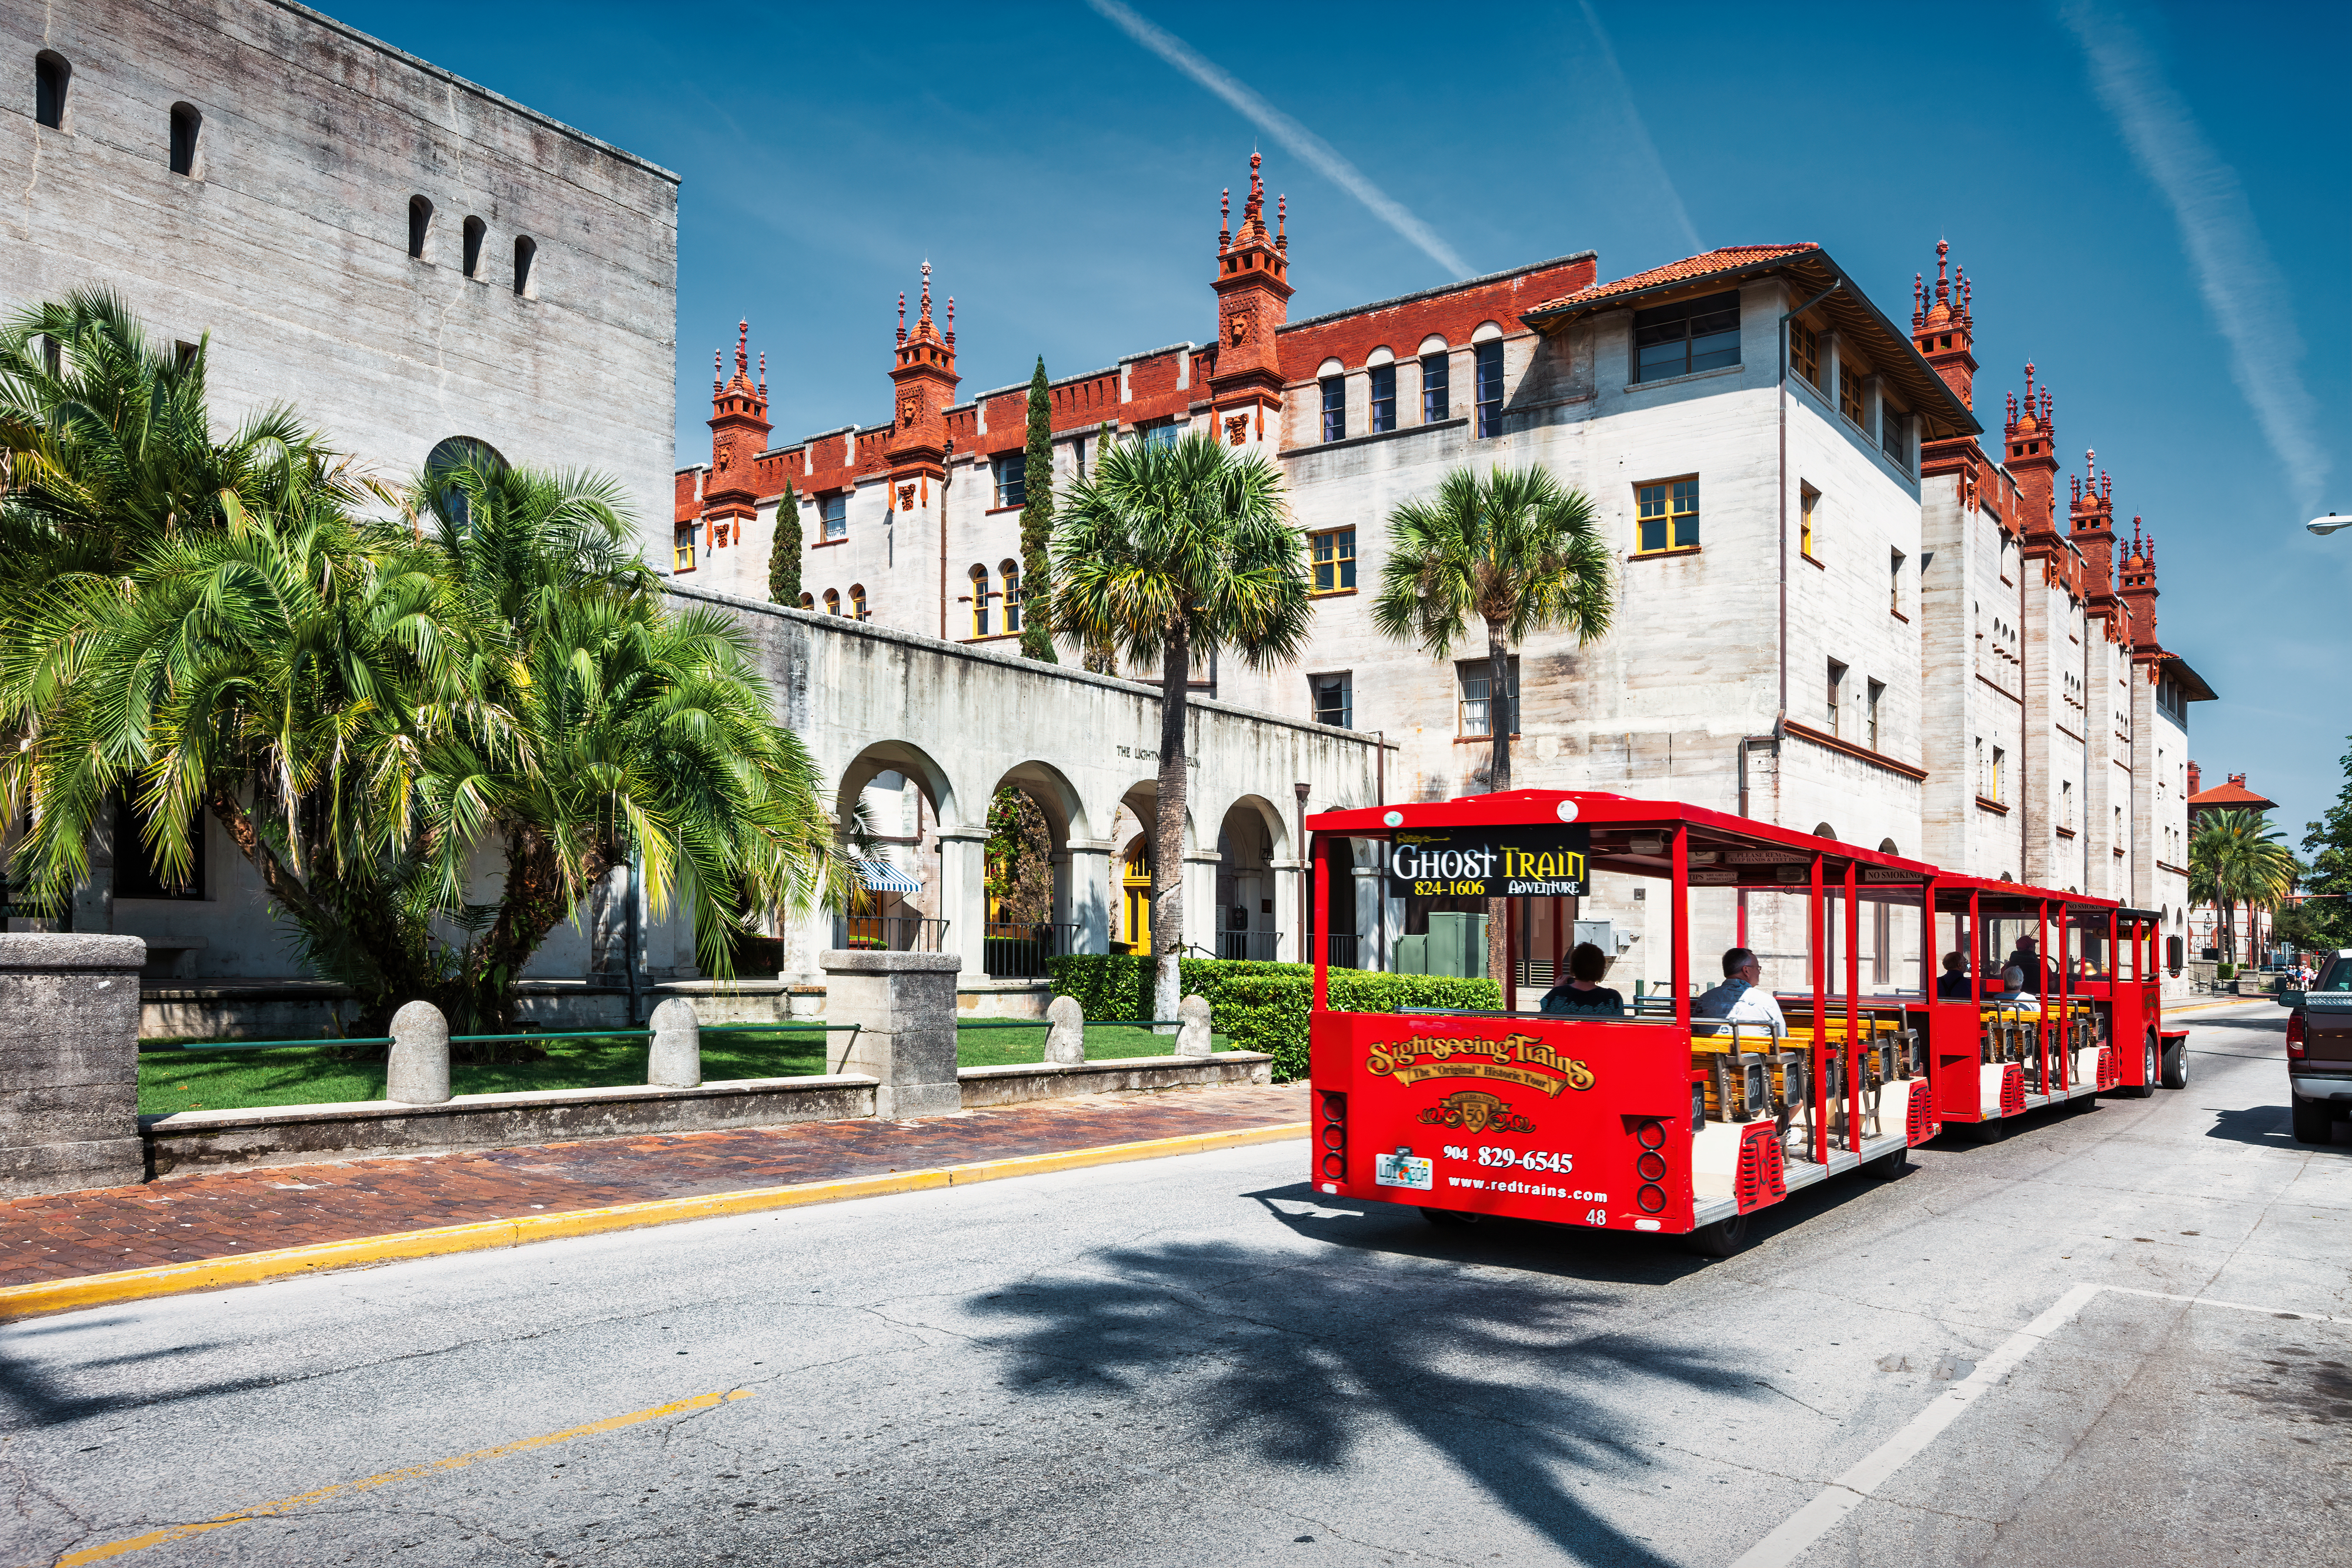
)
(1403, 1170)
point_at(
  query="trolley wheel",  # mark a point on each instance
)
(1991, 1131)
(1886, 1167)
(2152, 1070)
(2176, 1065)
(2314, 1121)
(1721, 1239)
(1450, 1217)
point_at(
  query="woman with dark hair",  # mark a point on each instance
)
(1582, 992)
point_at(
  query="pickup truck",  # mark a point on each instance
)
(2319, 1050)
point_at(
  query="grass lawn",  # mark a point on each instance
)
(174, 1079)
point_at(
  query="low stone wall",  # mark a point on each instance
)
(1054, 1080)
(292, 1134)
(267, 1009)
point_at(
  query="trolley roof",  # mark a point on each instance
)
(1724, 850)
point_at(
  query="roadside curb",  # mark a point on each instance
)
(47, 1296)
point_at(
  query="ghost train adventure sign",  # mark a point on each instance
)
(1489, 862)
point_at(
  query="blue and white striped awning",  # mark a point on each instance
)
(881, 876)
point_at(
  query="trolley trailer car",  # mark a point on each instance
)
(1650, 1119)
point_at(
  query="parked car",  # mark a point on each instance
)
(2319, 1050)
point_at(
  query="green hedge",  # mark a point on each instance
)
(1260, 1006)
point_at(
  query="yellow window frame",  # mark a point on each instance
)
(1672, 507)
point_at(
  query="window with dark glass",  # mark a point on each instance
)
(1490, 388)
(1805, 352)
(1476, 706)
(1837, 683)
(526, 253)
(475, 230)
(1894, 433)
(1435, 404)
(1666, 515)
(1333, 554)
(1167, 432)
(1684, 338)
(1876, 690)
(50, 74)
(420, 226)
(1383, 379)
(185, 125)
(1849, 393)
(1335, 408)
(1335, 700)
(1011, 479)
(139, 871)
(835, 510)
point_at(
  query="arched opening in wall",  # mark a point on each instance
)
(459, 466)
(808, 602)
(52, 73)
(1037, 908)
(890, 803)
(526, 284)
(832, 602)
(187, 129)
(981, 622)
(1436, 380)
(857, 611)
(1008, 573)
(1824, 831)
(420, 228)
(476, 230)
(1886, 847)
(1252, 913)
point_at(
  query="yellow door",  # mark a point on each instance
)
(1137, 883)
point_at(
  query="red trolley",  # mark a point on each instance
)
(1650, 1119)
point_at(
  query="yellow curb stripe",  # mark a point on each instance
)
(47, 1296)
(407, 1472)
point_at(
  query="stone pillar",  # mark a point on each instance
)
(905, 1006)
(1286, 874)
(1090, 892)
(418, 1073)
(676, 1060)
(1065, 1032)
(963, 898)
(1192, 1038)
(70, 1063)
(1203, 915)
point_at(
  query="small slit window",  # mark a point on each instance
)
(420, 227)
(187, 127)
(50, 76)
(475, 232)
(526, 253)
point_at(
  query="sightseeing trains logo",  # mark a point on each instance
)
(1519, 1059)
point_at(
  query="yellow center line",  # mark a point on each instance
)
(285, 1505)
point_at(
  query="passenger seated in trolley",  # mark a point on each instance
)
(1582, 992)
(1741, 998)
(1956, 984)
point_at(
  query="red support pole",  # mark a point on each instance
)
(1853, 1008)
(1815, 936)
(2041, 987)
(1321, 867)
(1678, 890)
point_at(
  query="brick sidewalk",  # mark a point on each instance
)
(184, 1219)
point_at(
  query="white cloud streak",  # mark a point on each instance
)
(2243, 289)
(1302, 143)
(1641, 129)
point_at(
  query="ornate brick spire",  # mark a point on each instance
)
(923, 377)
(1945, 334)
(739, 433)
(1252, 289)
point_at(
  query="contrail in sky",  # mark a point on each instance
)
(1302, 143)
(2243, 287)
(1641, 128)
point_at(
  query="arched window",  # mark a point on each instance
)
(1010, 571)
(1886, 847)
(52, 76)
(1436, 381)
(420, 227)
(808, 602)
(1824, 831)
(451, 457)
(979, 627)
(857, 611)
(475, 231)
(832, 602)
(187, 124)
(526, 252)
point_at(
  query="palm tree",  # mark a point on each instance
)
(1520, 552)
(624, 730)
(1176, 552)
(2236, 857)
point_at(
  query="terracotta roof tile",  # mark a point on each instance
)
(1730, 258)
(2231, 794)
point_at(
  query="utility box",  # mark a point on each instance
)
(1602, 934)
(1458, 945)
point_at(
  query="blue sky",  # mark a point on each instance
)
(2150, 200)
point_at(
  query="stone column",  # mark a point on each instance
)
(70, 1063)
(905, 1006)
(1290, 949)
(1090, 892)
(1203, 915)
(963, 897)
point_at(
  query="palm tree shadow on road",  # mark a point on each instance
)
(1523, 1382)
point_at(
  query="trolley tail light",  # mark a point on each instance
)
(1763, 1175)
(2106, 1068)
(2012, 1090)
(2295, 1037)
(1331, 1143)
(1650, 1165)
(1920, 1121)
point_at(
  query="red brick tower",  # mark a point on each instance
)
(2091, 521)
(1253, 300)
(923, 380)
(2138, 592)
(2032, 461)
(739, 433)
(1945, 332)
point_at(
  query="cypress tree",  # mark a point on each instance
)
(1037, 523)
(784, 555)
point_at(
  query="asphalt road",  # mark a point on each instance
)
(1195, 1362)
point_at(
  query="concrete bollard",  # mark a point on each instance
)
(905, 1007)
(1193, 1027)
(1065, 1032)
(676, 1060)
(70, 1063)
(418, 1073)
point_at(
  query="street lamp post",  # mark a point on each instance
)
(2328, 524)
